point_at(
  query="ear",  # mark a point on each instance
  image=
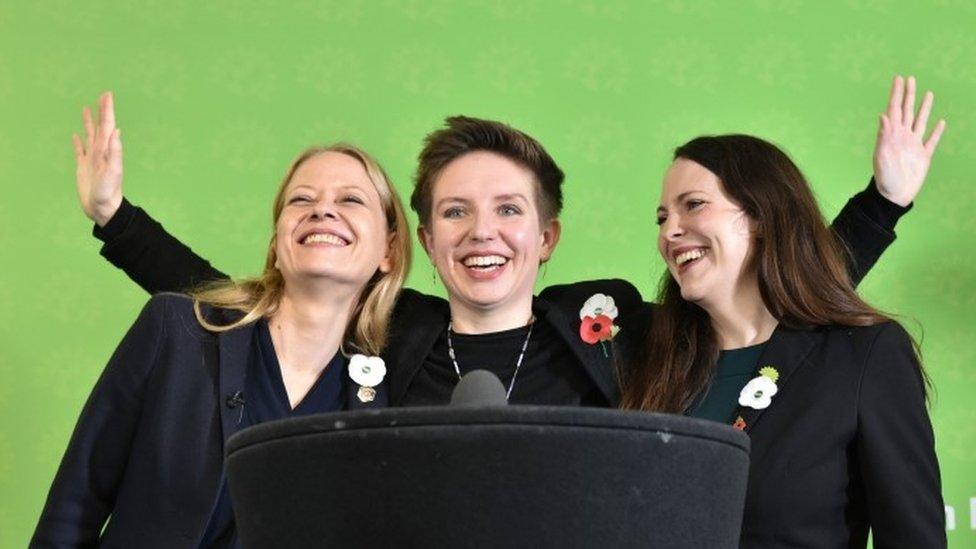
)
(426, 239)
(755, 229)
(550, 237)
(386, 264)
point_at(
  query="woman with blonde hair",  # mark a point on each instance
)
(147, 453)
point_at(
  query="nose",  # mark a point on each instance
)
(671, 228)
(323, 209)
(483, 229)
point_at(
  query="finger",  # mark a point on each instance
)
(883, 125)
(79, 148)
(107, 109)
(115, 144)
(923, 114)
(933, 141)
(106, 119)
(89, 127)
(895, 100)
(908, 107)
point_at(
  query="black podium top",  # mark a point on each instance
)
(489, 477)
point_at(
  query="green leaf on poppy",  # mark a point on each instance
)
(770, 372)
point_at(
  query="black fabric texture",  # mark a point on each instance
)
(550, 374)
(517, 476)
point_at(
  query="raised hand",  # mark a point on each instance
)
(99, 163)
(902, 155)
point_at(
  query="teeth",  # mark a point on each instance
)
(484, 260)
(324, 237)
(689, 255)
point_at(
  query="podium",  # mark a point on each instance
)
(515, 476)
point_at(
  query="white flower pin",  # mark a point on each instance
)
(367, 372)
(758, 393)
(599, 304)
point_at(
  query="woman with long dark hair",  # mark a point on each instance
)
(759, 325)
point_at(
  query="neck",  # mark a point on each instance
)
(473, 320)
(741, 319)
(309, 325)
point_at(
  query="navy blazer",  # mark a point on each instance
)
(147, 452)
(846, 444)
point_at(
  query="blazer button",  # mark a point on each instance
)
(235, 400)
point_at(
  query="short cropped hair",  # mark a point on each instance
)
(464, 134)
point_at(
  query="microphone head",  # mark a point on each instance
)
(479, 388)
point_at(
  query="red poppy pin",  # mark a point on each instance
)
(596, 320)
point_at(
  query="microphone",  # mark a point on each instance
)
(479, 388)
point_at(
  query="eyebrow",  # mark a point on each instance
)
(311, 188)
(500, 197)
(679, 198)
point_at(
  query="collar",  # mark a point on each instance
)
(421, 319)
(786, 351)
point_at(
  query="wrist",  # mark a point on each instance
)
(895, 198)
(103, 213)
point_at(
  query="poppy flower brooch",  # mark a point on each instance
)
(597, 316)
(367, 372)
(758, 393)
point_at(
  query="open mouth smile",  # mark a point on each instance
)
(485, 267)
(323, 238)
(684, 258)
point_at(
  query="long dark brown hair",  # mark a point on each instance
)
(803, 277)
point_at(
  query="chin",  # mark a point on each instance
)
(692, 294)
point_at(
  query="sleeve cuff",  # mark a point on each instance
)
(117, 224)
(883, 211)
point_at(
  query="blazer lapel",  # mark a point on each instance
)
(597, 359)
(407, 349)
(233, 348)
(786, 352)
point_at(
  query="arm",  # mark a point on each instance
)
(896, 447)
(134, 242)
(83, 493)
(901, 161)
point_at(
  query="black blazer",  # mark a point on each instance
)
(148, 448)
(845, 445)
(419, 319)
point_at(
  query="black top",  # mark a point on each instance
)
(550, 373)
(733, 370)
(266, 399)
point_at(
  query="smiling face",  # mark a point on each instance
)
(485, 236)
(332, 224)
(705, 238)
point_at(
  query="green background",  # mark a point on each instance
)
(215, 98)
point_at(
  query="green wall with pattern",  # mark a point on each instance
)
(215, 98)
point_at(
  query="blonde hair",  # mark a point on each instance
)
(260, 297)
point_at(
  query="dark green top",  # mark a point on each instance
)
(721, 397)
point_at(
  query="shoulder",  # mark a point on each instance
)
(175, 313)
(868, 341)
(411, 303)
(624, 293)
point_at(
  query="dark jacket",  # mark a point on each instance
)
(148, 448)
(846, 444)
(419, 319)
